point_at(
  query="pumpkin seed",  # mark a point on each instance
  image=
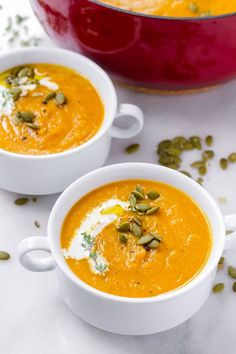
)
(153, 244)
(145, 239)
(136, 230)
(186, 173)
(138, 195)
(34, 199)
(21, 201)
(179, 140)
(49, 97)
(15, 93)
(223, 164)
(139, 189)
(132, 202)
(207, 155)
(196, 142)
(200, 181)
(221, 263)
(198, 164)
(218, 287)
(164, 144)
(209, 140)
(124, 227)
(232, 157)
(123, 238)
(16, 120)
(23, 73)
(172, 151)
(173, 166)
(32, 126)
(132, 148)
(26, 116)
(232, 272)
(234, 287)
(60, 99)
(143, 207)
(4, 256)
(188, 145)
(152, 210)
(202, 170)
(153, 195)
(166, 159)
(136, 220)
(37, 224)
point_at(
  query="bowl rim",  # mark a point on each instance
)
(163, 18)
(107, 121)
(192, 283)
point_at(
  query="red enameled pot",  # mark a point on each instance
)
(143, 50)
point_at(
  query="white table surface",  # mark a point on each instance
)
(33, 318)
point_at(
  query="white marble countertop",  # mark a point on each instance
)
(33, 318)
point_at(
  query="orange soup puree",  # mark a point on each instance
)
(176, 8)
(47, 109)
(136, 238)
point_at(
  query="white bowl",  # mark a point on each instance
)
(123, 315)
(52, 173)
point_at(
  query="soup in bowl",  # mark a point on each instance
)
(135, 255)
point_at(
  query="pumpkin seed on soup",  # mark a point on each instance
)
(138, 195)
(132, 148)
(145, 239)
(124, 227)
(152, 210)
(49, 97)
(136, 230)
(123, 239)
(60, 99)
(143, 207)
(153, 195)
(153, 244)
(26, 116)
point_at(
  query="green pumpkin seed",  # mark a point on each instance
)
(123, 239)
(136, 220)
(232, 157)
(138, 195)
(223, 164)
(234, 287)
(152, 210)
(153, 195)
(15, 93)
(16, 70)
(188, 146)
(153, 244)
(4, 256)
(198, 164)
(196, 142)
(172, 151)
(37, 224)
(164, 144)
(166, 159)
(21, 201)
(186, 174)
(33, 126)
(145, 239)
(143, 207)
(132, 202)
(132, 148)
(202, 170)
(34, 199)
(23, 73)
(207, 155)
(209, 140)
(179, 140)
(139, 189)
(218, 288)
(26, 116)
(173, 166)
(124, 226)
(200, 181)
(232, 272)
(60, 99)
(136, 230)
(49, 97)
(221, 263)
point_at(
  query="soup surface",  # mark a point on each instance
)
(176, 8)
(136, 238)
(47, 109)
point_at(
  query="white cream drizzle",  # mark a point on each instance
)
(6, 101)
(51, 85)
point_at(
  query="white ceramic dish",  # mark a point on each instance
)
(130, 316)
(48, 174)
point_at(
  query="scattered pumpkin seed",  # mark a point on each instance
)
(132, 148)
(23, 73)
(4, 256)
(15, 93)
(49, 97)
(27, 117)
(232, 157)
(173, 166)
(166, 159)
(60, 99)
(123, 239)
(37, 224)
(124, 226)
(232, 272)
(156, 236)
(200, 181)
(223, 164)
(202, 170)
(145, 239)
(136, 220)
(136, 230)
(164, 144)
(132, 202)
(153, 244)
(153, 195)
(186, 173)
(198, 164)
(209, 140)
(138, 195)
(21, 201)
(139, 189)
(218, 287)
(196, 142)
(188, 146)
(34, 199)
(33, 126)
(221, 263)
(152, 210)
(143, 207)
(172, 151)
(234, 287)
(207, 155)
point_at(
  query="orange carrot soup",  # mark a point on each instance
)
(47, 109)
(176, 8)
(136, 238)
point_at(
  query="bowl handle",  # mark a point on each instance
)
(32, 263)
(230, 225)
(127, 110)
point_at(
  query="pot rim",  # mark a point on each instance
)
(199, 278)
(107, 121)
(163, 18)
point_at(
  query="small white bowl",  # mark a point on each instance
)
(123, 315)
(52, 173)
